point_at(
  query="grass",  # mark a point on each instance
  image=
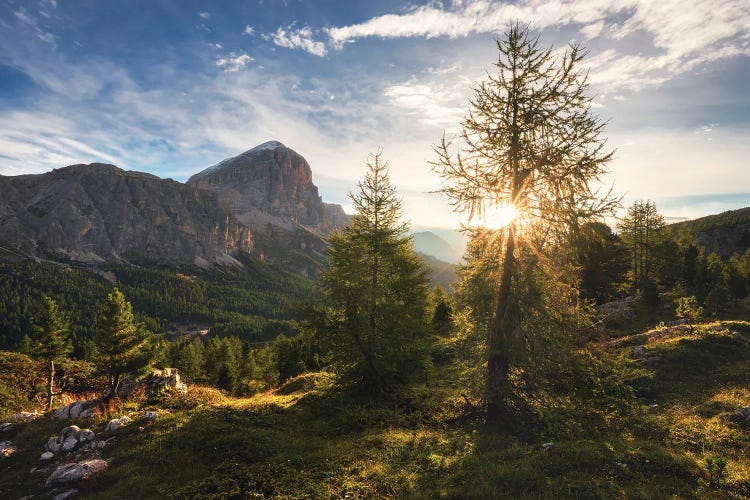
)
(315, 439)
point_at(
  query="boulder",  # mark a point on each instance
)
(116, 423)
(47, 455)
(70, 437)
(639, 352)
(78, 409)
(7, 449)
(69, 443)
(53, 444)
(7, 426)
(743, 414)
(75, 472)
(168, 379)
(25, 416)
(150, 415)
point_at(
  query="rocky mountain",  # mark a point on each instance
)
(726, 233)
(100, 213)
(269, 189)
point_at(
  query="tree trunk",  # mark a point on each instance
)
(50, 385)
(498, 341)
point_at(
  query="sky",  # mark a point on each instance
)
(171, 87)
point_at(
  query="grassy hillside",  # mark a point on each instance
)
(313, 438)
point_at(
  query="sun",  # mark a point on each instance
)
(497, 217)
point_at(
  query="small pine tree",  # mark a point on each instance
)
(51, 343)
(687, 308)
(123, 345)
(376, 288)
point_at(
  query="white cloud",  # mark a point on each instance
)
(234, 62)
(204, 15)
(249, 30)
(684, 35)
(293, 38)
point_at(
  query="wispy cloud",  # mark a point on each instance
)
(683, 35)
(204, 15)
(234, 62)
(297, 38)
(249, 30)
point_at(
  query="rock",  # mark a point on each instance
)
(7, 449)
(677, 322)
(100, 213)
(743, 413)
(79, 409)
(7, 426)
(75, 472)
(70, 437)
(69, 443)
(270, 190)
(65, 495)
(71, 430)
(618, 312)
(47, 455)
(85, 435)
(548, 446)
(25, 416)
(116, 423)
(168, 379)
(639, 352)
(622, 465)
(150, 415)
(53, 444)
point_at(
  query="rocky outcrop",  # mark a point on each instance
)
(69, 439)
(73, 473)
(270, 183)
(100, 213)
(269, 189)
(78, 409)
(165, 380)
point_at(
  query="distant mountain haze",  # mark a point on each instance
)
(429, 243)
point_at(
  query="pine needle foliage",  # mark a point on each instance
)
(376, 288)
(123, 345)
(531, 142)
(51, 343)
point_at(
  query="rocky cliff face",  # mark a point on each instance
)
(270, 183)
(100, 213)
(269, 188)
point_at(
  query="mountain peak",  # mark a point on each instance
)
(250, 153)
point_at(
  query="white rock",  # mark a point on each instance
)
(75, 472)
(6, 426)
(150, 415)
(116, 423)
(47, 455)
(548, 446)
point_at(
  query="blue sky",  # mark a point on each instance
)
(171, 87)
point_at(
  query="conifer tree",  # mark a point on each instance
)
(531, 144)
(376, 287)
(123, 344)
(641, 230)
(51, 343)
